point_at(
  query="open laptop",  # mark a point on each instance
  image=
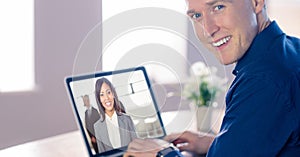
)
(136, 101)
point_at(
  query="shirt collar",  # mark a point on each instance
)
(114, 116)
(260, 45)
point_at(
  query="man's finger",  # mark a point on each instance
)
(172, 137)
(140, 154)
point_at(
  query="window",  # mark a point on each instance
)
(17, 45)
(147, 45)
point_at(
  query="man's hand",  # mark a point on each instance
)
(145, 147)
(198, 143)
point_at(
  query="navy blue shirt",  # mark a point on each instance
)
(262, 116)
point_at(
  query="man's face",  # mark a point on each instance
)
(225, 27)
(86, 101)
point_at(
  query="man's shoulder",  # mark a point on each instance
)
(286, 56)
(281, 61)
(93, 108)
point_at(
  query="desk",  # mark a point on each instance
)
(64, 145)
(72, 144)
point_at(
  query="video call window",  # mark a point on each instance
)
(134, 97)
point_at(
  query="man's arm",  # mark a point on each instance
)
(197, 143)
(145, 147)
(256, 122)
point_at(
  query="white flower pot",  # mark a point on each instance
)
(203, 117)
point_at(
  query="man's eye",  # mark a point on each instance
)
(196, 16)
(219, 7)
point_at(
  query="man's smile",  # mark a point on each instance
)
(221, 42)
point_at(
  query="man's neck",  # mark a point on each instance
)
(264, 25)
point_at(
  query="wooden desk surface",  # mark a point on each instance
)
(64, 145)
(72, 144)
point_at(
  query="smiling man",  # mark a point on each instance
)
(227, 27)
(263, 102)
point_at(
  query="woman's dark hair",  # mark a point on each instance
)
(98, 86)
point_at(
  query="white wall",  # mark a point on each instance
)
(286, 13)
(60, 26)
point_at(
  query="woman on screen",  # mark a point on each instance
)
(114, 129)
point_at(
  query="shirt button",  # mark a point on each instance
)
(235, 72)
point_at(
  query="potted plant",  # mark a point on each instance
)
(201, 90)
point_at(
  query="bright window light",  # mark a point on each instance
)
(119, 48)
(17, 45)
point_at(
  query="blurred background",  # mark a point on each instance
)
(42, 42)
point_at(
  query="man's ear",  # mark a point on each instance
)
(258, 5)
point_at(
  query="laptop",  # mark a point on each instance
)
(126, 100)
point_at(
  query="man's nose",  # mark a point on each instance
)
(210, 26)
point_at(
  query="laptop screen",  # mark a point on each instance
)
(113, 108)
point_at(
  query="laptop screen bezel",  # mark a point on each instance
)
(70, 79)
